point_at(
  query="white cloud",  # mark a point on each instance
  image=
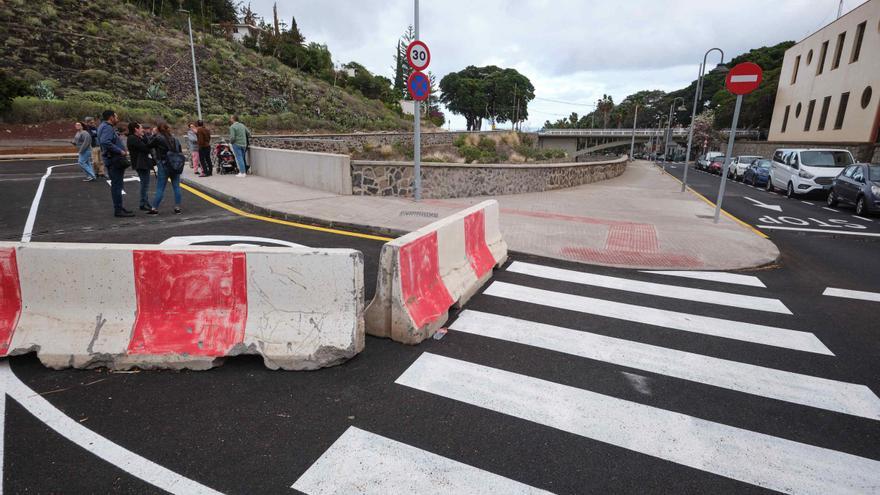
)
(572, 50)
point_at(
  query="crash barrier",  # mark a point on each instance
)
(426, 272)
(126, 306)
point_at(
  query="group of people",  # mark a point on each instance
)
(147, 150)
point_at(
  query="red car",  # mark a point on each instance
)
(716, 165)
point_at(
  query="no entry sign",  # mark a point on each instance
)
(744, 78)
(418, 55)
(419, 86)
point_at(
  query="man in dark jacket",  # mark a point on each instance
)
(141, 161)
(115, 160)
(204, 142)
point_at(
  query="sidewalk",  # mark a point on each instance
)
(637, 220)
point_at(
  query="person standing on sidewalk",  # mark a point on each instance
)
(204, 143)
(83, 142)
(97, 159)
(114, 156)
(239, 138)
(166, 144)
(141, 161)
(192, 142)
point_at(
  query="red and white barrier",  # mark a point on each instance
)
(123, 306)
(426, 272)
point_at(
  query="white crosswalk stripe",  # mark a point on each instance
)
(744, 455)
(852, 294)
(748, 332)
(724, 277)
(650, 288)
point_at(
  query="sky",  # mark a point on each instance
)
(573, 51)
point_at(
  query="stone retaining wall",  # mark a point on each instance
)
(453, 180)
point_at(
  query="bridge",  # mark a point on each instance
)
(579, 142)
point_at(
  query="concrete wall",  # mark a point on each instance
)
(322, 171)
(861, 152)
(455, 180)
(804, 59)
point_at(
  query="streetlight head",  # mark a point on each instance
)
(723, 69)
(183, 11)
(682, 108)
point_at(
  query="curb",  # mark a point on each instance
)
(47, 156)
(293, 217)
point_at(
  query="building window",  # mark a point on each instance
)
(823, 116)
(809, 120)
(841, 111)
(857, 42)
(822, 54)
(810, 57)
(838, 50)
(785, 117)
(866, 97)
(797, 64)
(797, 111)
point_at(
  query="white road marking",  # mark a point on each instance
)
(729, 278)
(862, 218)
(661, 290)
(830, 209)
(110, 452)
(35, 204)
(807, 203)
(764, 205)
(705, 325)
(127, 179)
(852, 294)
(818, 231)
(832, 395)
(203, 239)
(740, 454)
(368, 464)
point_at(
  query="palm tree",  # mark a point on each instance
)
(605, 105)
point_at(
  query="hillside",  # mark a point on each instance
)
(81, 57)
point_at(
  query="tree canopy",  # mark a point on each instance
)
(492, 93)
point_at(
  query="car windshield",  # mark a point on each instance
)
(874, 172)
(764, 164)
(748, 159)
(834, 159)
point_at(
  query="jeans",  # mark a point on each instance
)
(160, 185)
(144, 176)
(117, 175)
(85, 162)
(240, 158)
(205, 160)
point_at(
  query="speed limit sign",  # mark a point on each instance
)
(418, 55)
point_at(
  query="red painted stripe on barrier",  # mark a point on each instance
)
(476, 248)
(192, 302)
(424, 294)
(10, 298)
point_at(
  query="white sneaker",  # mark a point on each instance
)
(241, 175)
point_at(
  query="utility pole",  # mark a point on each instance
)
(697, 95)
(417, 135)
(632, 144)
(192, 50)
(839, 9)
(515, 108)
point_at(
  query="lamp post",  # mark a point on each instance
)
(657, 135)
(669, 126)
(697, 94)
(192, 51)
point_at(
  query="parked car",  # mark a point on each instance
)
(801, 171)
(858, 185)
(739, 165)
(716, 165)
(703, 161)
(758, 173)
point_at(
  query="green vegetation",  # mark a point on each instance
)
(477, 93)
(502, 148)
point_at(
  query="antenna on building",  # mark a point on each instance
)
(839, 9)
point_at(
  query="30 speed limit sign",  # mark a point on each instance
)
(418, 55)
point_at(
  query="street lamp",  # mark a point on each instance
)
(192, 50)
(655, 139)
(632, 144)
(697, 94)
(669, 125)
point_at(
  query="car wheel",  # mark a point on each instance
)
(790, 191)
(861, 207)
(769, 184)
(831, 200)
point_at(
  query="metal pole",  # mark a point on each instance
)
(632, 144)
(192, 50)
(666, 137)
(697, 96)
(739, 100)
(417, 137)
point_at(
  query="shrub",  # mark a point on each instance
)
(98, 77)
(94, 96)
(45, 89)
(459, 141)
(156, 92)
(276, 104)
(470, 154)
(487, 144)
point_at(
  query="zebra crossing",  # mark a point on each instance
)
(365, 462)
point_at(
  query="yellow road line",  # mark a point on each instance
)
(230, 208)
(713, 205)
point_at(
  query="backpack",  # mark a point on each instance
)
(93, 131)
(174, 159)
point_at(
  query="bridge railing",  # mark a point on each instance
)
(678, 132)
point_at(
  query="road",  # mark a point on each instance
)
(558, 377)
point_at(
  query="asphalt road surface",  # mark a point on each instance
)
(558, 377)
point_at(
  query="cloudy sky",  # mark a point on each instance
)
(573, 51)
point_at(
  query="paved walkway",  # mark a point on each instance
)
(637, 220)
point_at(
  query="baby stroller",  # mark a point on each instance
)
(225, 159)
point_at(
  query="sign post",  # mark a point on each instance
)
(741, 80)
(419, 86)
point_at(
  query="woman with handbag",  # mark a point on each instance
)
(169, 156)
(141, 161)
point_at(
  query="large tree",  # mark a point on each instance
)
(493, 93)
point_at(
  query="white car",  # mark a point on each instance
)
(739, 165)
(801, 171)
(703, 161)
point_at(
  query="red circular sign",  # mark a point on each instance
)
(419, 86)
(418, 55)
(744, 78)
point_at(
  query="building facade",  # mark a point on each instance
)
(829, 87)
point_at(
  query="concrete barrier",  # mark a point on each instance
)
(425, 273)
(321, 171)
(125, 306)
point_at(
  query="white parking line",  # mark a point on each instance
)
(705, 325)
(862, 218)
(832, 395)
(852, 294)
(368, 464)
(728, 278)
(737, 453)
(817, 231)
(830, 209)
(661, 290)
(807, 203)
